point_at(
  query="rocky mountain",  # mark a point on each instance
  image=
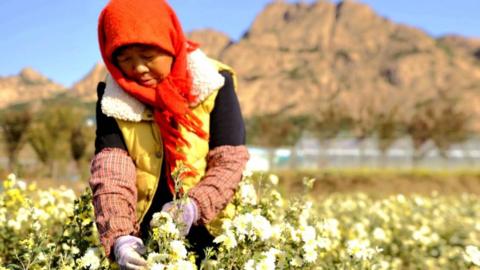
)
(212, 42)
(467, 47)
(26, 86)
(87, 86)
(301, 56)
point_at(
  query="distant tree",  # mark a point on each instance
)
(441, 120)
(327, 122)
(50, 134)
(43, 143)
(299, 124)
(420, 128)
(452, 124)
(81, 138)
(274, 130)
(14, 124)
(381, 113)
(388, 127)
(362, 109)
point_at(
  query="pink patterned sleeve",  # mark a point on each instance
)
(112, 181)
(225, 165)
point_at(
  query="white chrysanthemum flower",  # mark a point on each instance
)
(242, 225)
(262, 227)
(277, 198)
(164, 222)
(382, 214)
(324, 243)
(266, 264)
(40, 214)
(23, 214)
(361, 250)
(46, 198)
(21, 185)
(158, 266)
(90, 259)
(155, 257)
(75, 250)
(419, 201)
(247, 173)
(228, 240)
(249, 265)
(379, 234)
(227, 224)
(308, 234)
(41, 257)
(272, 252)
(293, 233)
(297, 261)
(309, 182)
(248, 194)
(178, 249)
(65, 246)
(160, 218)
(277, 232)
(310, 253)
(472, 255)
(15, 225)
(383, 265)
(36, 226)
(253, 226)
(305, 213)
(273, 179)
(3, 215)
(12, 178)
(401, 198)
(356, 246)
(183, 265)
(169, 228)
(425, 236)
(360, 230)
(68, 193)
(420, 233)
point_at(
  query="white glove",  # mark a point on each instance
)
(185, 213)
(127, 250)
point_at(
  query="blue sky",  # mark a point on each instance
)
(58, 37)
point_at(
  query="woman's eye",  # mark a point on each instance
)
(148, 57)
(123, 59)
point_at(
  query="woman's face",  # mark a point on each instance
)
(147, 65)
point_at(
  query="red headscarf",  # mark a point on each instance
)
(153, 22)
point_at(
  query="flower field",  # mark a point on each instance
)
(52, 229)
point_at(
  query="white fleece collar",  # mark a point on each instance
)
(206, 79)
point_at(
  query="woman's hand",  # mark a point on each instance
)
(185, 213)
(127, 251)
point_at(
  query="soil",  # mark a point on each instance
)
(385, 185)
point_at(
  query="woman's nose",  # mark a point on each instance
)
(140, 67)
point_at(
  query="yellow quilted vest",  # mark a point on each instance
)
(144, 145)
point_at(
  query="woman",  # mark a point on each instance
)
(164, 107)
